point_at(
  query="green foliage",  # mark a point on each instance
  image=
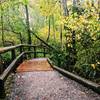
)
(25, 2)
(59, 58)
(6, 58)
(86, 25)
(83, 19)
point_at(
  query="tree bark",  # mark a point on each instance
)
(28, 25)
(65, 8)
(53, 23)
(63, 4)
(75, 2)
(49, 27)
(61, 35)
(61, 24)
(99, 9)
(2, 25)
(73, 43)
(21, 40)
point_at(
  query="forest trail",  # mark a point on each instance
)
(36, 80)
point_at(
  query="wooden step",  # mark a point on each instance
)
(37, 64)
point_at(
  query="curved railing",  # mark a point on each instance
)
(24, 50)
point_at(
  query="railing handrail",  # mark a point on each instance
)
(7, 71)
(22, 52)
(9, 48)
(17, 60)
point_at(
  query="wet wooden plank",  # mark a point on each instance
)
(38, 64)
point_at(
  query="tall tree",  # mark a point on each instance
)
(61, 24)
(49, 27)
(2, 25)
(27, 21)
(99, 8)
(76, 2)
(65, 8)
(53, 24)
(65, 13)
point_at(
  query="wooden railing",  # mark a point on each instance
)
(15, 61)
(23, 52)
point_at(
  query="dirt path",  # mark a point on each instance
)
(36, 80)
(49, 85)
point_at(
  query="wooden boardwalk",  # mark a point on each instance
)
(39, 64)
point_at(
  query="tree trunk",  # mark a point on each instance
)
(28, 28)
(61, 36)
(2, 25)
(73, 36)
(65, 13)
(65, 8)
(73, 42)
(61, 24)
(92, 1)
(21, 40)
(53, 23)
(99, 9)
(28, 25)
(49, 27)
(75, 2)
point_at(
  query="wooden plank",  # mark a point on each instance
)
(36, 64)
(5, 49)
(9, 48)
(27, 45)
(12, 66)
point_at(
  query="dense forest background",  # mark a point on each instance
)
(72, 27)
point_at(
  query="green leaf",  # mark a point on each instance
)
(25, 2)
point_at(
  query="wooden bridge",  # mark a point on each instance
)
(36, 77)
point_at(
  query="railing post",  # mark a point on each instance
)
(13, 55)
(21, 49)
(1, 64)
(34, 52)
(44, 52)
(29, 49)
(2, 90)
(25, 56)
